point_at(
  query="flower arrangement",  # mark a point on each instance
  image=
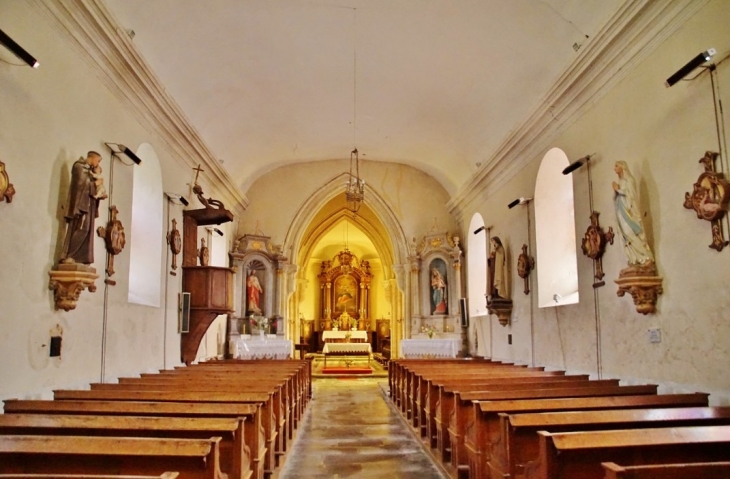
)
(260, 322)
(429, 330)
(336, 324)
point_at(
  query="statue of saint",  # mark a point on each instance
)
(83, 208)
(497, 270)
(438, 292)
(253, 293)
(628, 215)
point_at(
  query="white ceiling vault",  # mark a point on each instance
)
(437, 84)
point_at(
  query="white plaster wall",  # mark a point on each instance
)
(661, 133)
(49, 118)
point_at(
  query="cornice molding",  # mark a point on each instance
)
(633, 32)
(92, 30)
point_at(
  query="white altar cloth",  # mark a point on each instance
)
(430, 348)
(257, 348)
(335, 348)
(341, 335)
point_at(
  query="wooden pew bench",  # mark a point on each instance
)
(518, 449)
(462, 414)
(268, 418)
(191, 458)
(703, 470)
(235, 457)
(281, 405)
(573, 455)
(254, 438)
(483, 433)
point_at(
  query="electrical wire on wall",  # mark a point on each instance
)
(596, 308)
(720, 124)
(532, 296)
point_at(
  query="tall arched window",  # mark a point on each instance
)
(477, 266)
(557, 271)
(145, 256)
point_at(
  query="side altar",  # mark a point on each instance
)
(435, 291)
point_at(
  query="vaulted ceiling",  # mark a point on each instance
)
(435, 84)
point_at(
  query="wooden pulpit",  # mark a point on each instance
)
(210, 287)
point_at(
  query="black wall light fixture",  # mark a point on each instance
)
(690, 66)
(576, 164)
(177, 197)
(18, 50)
(123, 149)
(519, 201)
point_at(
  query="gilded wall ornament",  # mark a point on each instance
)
(6, 187)
(709, 199)
(114, 238)
(174, 239)
(525, 265)
(594, 245)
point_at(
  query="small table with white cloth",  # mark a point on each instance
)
(430, 348)
(347, 349)
(261, 348)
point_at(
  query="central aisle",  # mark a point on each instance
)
(350, 431)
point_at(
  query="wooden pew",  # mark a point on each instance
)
(280, 403)
(254, 437)
(426, 391)
(235, 457)
(442, 401)
(434, 386)
(268, 418)
(702, 470)
(570, 455)
(459, 420)
(192, 458)
(517, 449)
(483, 431)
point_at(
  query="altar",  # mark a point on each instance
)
(248, 347)
(347, 349)
(341, 336)
(430, 348)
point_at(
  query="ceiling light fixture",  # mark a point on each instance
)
(18, 50)
(355, 188)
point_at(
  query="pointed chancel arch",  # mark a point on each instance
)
(557, 272)
(321, 213)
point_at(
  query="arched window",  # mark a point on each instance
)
(477, 266)
(557, 271)
(145, 256)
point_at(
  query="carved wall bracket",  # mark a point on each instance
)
(594, 245)
(114, 239)
(6, 188)
(709, 199)
(68, 281)
(643, 284)
(502, 308)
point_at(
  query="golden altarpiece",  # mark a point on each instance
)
(344, 284)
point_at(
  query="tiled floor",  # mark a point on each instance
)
(351, 431)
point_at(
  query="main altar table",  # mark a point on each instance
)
(430, 348)
(341, 335)
(347, 349)
(258, 348)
